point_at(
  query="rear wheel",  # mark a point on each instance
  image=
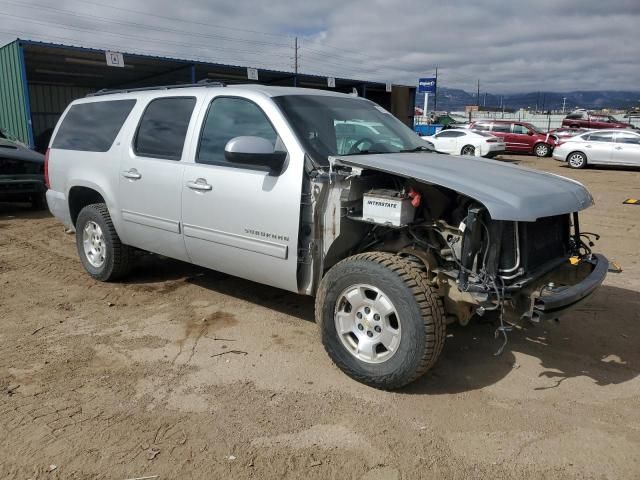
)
(468, 150)
(102, 254)
(541, 150)
(381, 322)
(577, 160)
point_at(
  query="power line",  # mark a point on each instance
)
(144, 39)
(173, 19)
(141, 25)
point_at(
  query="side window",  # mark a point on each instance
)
(628, 138)
(521, 129)
(574, 116)
(601, 137)
(483, 127)
(92, 127)
(446, 134)
(227, 118)
(501, 127)
(163, 127)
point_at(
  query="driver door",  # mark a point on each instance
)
(243, 219)
(446, 142)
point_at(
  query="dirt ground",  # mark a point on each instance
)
(180, 372)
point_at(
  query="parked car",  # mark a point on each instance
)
(21, 173)
(394, 242)
(564, 133)
(605, 147)
(584, 119)
(460, 141)
(519, 137)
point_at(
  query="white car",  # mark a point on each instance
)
(602, 147)
(461, 141)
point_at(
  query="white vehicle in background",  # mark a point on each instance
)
(600, 147)
(461, 141)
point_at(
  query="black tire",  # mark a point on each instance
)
(117, 256)
(420, 315)
(468, 150)
(541, 150)
(577, 160)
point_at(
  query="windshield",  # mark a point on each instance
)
(331, 126)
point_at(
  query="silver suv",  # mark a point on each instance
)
(321, 194)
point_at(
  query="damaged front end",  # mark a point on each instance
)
(478, 255)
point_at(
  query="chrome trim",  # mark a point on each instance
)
(516, 233)
(241, 242)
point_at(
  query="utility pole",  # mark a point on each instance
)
(478, 97)
(564, 102)
(435, 93)
(296, 48)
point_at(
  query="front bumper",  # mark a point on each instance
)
(553, 303)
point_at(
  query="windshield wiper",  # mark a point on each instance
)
(421, 148)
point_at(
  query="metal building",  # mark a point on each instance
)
(38, 80)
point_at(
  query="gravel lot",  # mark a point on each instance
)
(181, 372)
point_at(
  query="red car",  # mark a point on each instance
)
(519, 137)
(590, 120)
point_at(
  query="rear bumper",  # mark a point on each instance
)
(555, 303)
(58, 207)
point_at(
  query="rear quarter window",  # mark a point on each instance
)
(92, 127)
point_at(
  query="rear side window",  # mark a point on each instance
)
(163, 128)
(601, 137)
(447, 134)
(501, 127)
(482, 126)
(92, 127)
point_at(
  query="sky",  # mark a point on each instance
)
(509, 46)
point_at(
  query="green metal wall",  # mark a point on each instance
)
(14, 113)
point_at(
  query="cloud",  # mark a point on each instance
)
(515, 46)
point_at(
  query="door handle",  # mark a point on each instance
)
(618, 148)
(588, 146)
(132, 174)
(199, 184)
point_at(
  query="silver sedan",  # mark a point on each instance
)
(600, 147)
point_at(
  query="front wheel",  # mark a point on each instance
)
(542, 150)
(380, 321)
(101, 252)
(577, 160)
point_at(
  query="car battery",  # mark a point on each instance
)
(387, 207)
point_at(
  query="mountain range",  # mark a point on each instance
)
(451, 99)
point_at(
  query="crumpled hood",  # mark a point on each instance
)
(507, 191)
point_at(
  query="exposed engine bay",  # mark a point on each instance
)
(477, 264)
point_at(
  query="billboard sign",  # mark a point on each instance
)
(427, 85)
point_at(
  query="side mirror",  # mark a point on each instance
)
(529, 132)
(254, 151)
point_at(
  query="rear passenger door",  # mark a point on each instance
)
(241, 219)
(503, 131)
(627, 149)
(151, 177)
(520, 139)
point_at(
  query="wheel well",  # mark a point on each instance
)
(80, 197)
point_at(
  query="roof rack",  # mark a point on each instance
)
(201, 83)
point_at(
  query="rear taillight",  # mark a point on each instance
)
(492, 140)
(46, 169)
